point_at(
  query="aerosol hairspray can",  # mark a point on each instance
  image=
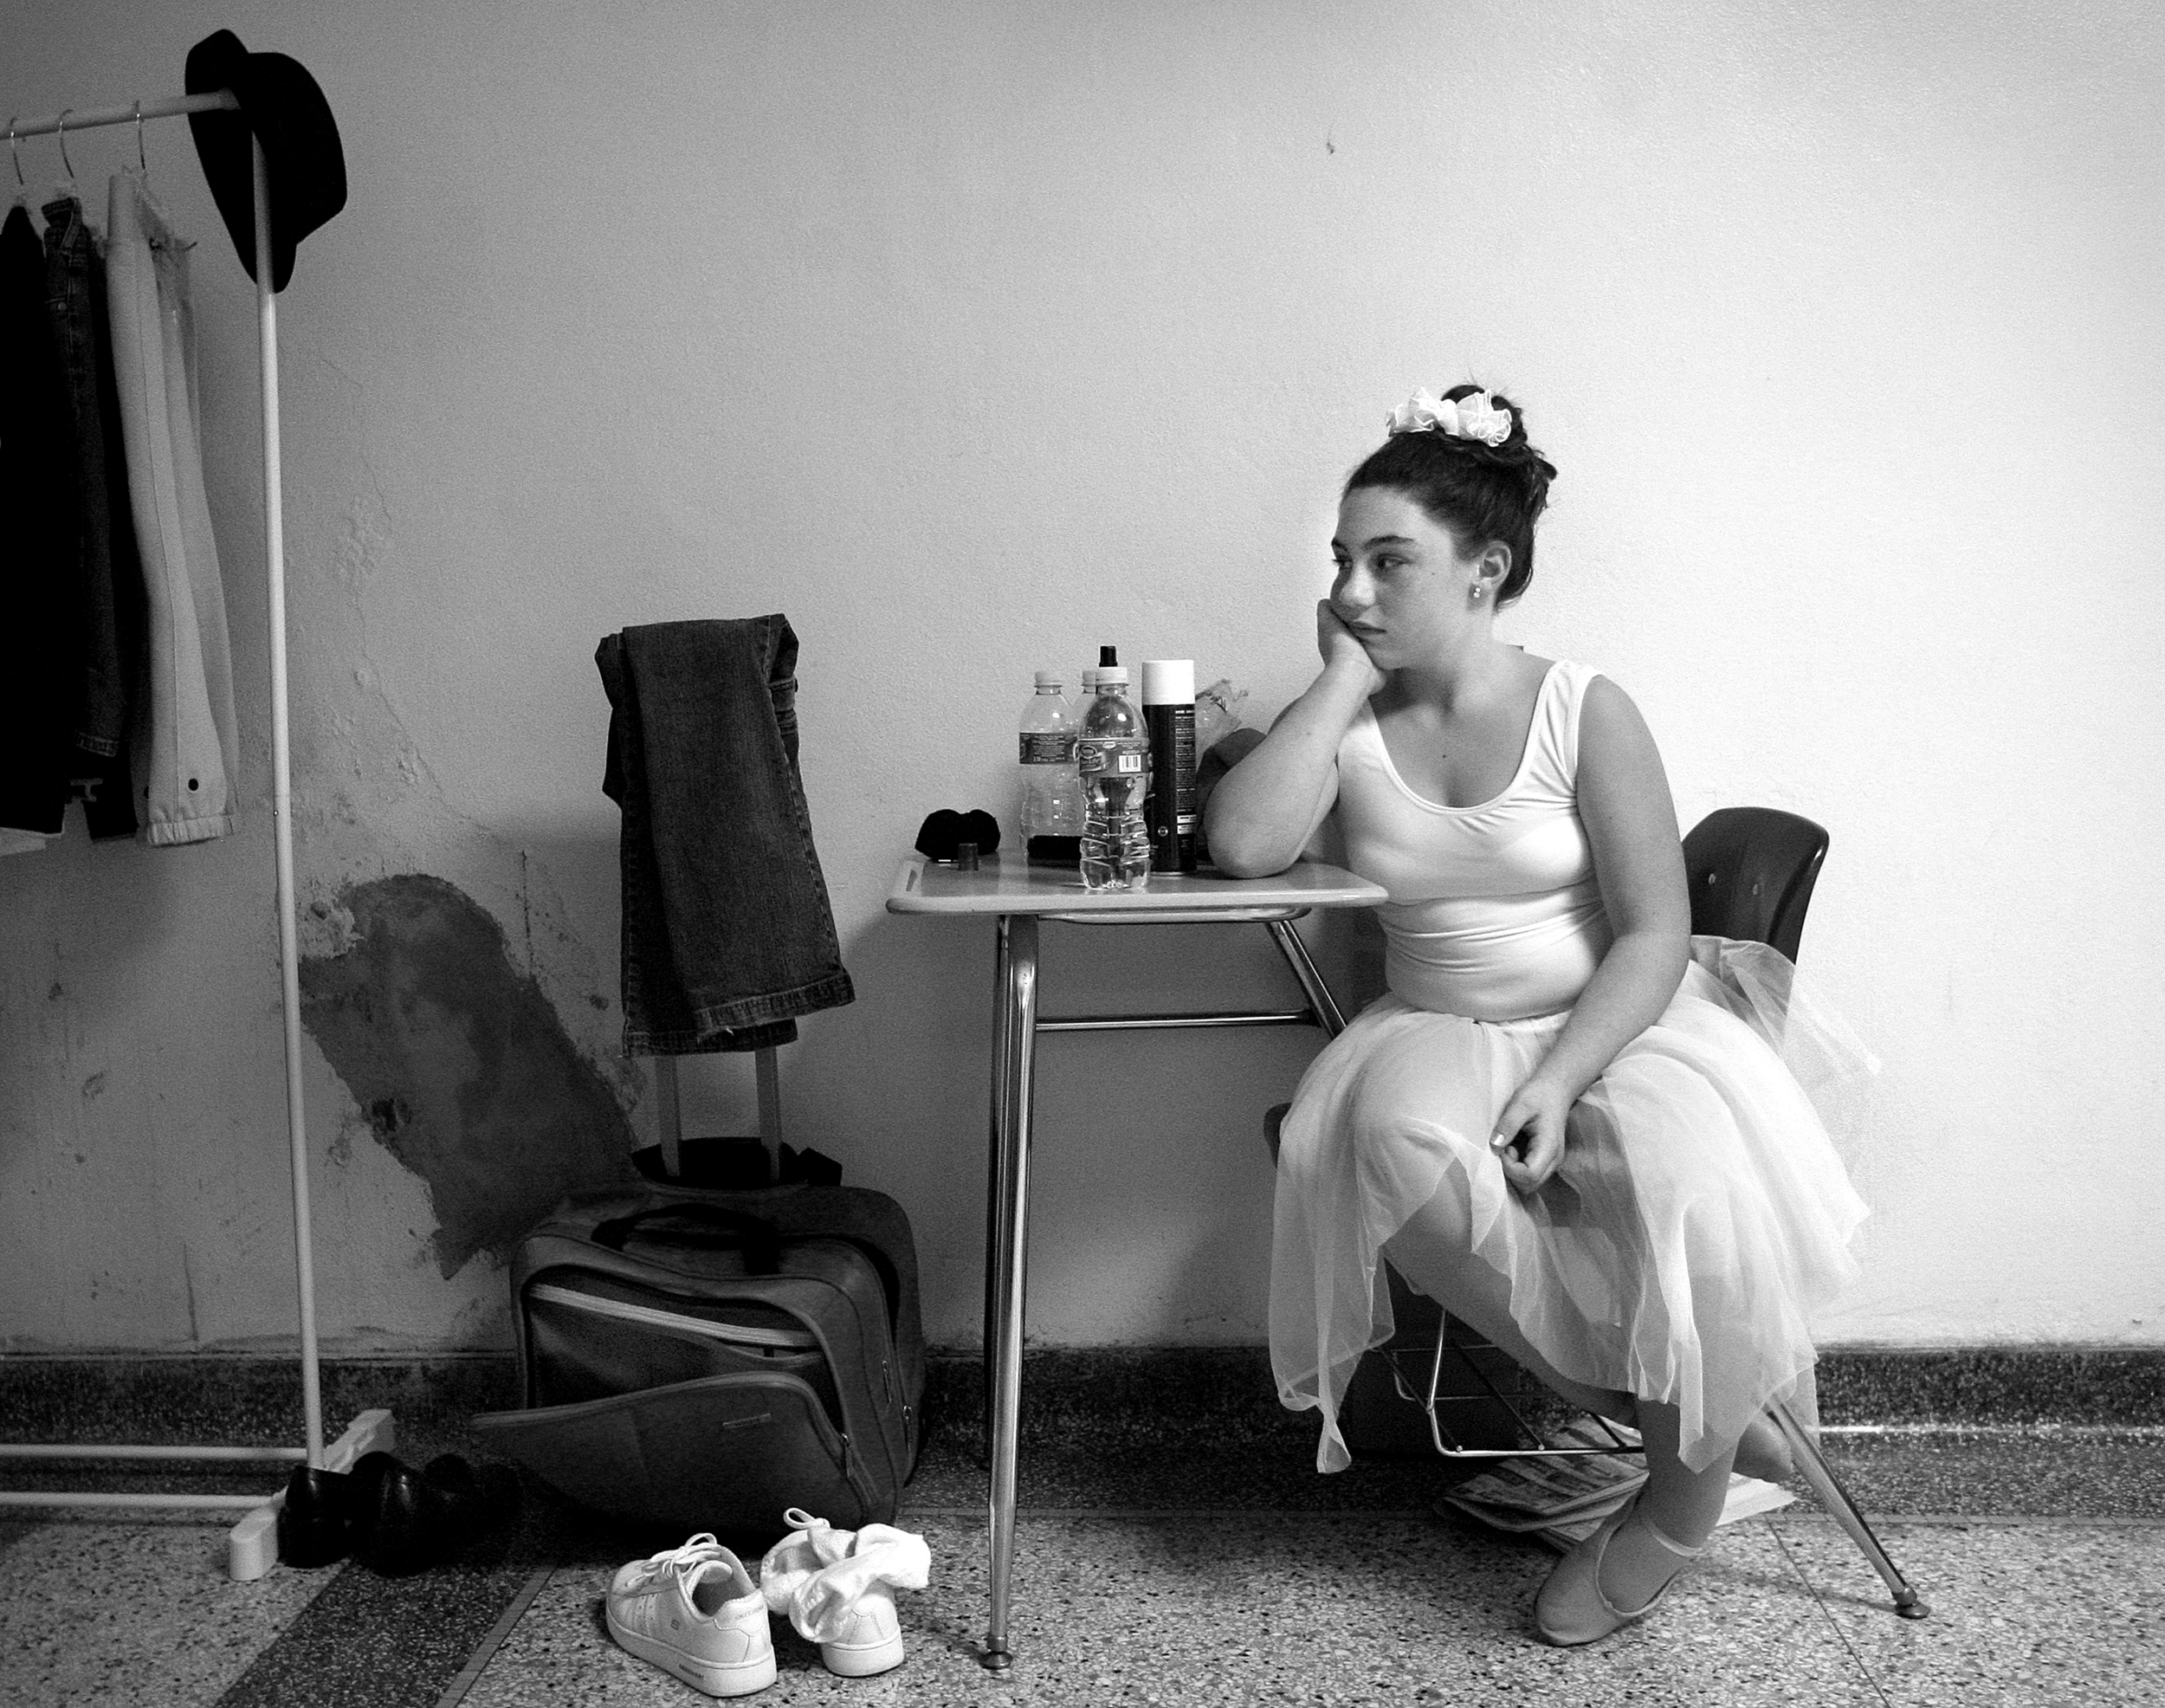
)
(1168, 709)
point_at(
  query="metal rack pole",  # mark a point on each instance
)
(281, 810)
(174, 107)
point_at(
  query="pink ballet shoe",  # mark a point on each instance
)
(1763, 1451)
(1571, 1609)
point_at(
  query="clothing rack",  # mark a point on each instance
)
(252, 1546)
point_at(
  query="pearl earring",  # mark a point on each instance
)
(1477, 590)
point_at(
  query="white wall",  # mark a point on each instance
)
(971, 335)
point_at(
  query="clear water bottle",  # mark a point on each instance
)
(1111, 754)
(1051, 814)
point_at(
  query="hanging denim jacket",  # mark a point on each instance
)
(111, 576)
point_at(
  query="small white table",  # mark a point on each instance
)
(1019, 895)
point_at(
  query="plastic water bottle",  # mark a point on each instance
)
(1051, 806)
(1113, 756)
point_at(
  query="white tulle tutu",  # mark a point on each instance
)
(1699, 1216)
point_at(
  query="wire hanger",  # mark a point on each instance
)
(142, 160)
(66, 187)
(21, 183)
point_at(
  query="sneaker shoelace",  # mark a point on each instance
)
(684, 1560)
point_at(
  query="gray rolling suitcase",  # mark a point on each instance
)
(705, 1360)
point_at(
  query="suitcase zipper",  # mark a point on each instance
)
(738, 1333)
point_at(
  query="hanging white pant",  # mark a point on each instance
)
(186, 760)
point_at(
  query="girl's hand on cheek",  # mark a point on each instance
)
(1341, 648)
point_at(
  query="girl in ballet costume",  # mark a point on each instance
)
(1580, 1129)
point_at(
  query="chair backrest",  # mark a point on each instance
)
(1751, 870)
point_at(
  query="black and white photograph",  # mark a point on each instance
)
(1082, 852)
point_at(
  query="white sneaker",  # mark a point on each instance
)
(837, 1587)
(868, 1637)
(694, 1611)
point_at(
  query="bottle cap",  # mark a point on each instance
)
(1111, 675)
(1168, 682)
(1089, 678)
(1108, 654)
(1051, 679)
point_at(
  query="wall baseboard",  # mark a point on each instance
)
(256, 1397)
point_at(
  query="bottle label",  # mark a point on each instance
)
(1172, 807)
(1050, 748)
(1096, 758)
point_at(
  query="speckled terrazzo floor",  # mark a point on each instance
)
(1178, 1551)
(1404, 1609)
(1220, 1607)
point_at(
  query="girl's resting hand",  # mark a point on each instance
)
(1528, 1140)
(1342, 648)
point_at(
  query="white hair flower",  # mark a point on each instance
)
(1475, 416)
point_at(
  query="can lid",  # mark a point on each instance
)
(1168, 682)
(1051, 679)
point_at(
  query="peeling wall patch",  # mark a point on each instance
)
(460, 1066)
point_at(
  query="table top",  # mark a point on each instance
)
(1010, 885)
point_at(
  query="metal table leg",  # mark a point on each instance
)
(1007, 1248)
(1320, 1000)
(995, 1190)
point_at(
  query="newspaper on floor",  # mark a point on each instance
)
(1534, 1495)
(1563, 1501)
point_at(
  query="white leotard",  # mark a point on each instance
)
(1494, 912)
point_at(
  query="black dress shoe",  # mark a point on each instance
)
(395, 1523)
(409, 1520)
(473, 1503)
(315, 1521)
(383, 1498)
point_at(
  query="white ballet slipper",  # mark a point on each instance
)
(1572, 1609)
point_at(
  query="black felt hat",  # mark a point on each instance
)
(281, 104)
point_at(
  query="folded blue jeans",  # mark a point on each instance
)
(728, 935)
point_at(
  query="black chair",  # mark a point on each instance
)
(1751, 871)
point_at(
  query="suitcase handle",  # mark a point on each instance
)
(761, 1241)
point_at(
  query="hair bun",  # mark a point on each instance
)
(1515, 453)
(1494, 401)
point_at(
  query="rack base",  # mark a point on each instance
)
(251, 1546)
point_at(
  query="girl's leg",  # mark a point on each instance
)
(1432, 1251)
(1621, 1570)
(1683, 1504)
